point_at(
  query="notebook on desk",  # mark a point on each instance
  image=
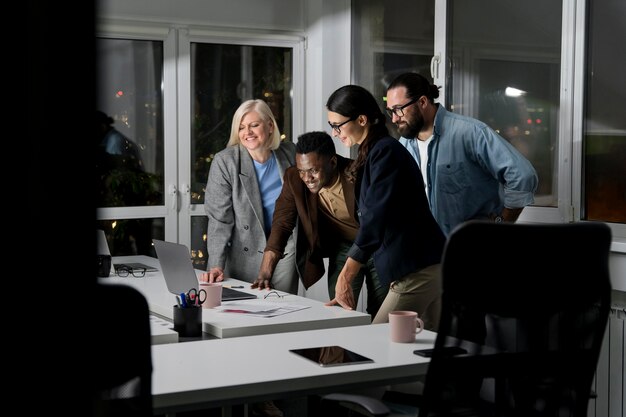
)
(179, 273)
(135, 265)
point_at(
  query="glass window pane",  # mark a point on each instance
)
(199, 226)
(604, 186)
(505, 71)
(389, 39)
(130, 127)
(392, 65)
(526, 116)
(224, 76)
(132, 236)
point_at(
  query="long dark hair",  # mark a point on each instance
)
(352, 101)
(416, 86)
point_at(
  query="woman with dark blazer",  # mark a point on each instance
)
(396, 224)
(244, 181)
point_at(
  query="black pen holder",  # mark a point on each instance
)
(188, 321)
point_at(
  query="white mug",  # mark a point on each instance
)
(404, 325)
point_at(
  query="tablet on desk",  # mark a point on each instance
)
(331, 355)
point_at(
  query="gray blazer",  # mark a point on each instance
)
(235, 232)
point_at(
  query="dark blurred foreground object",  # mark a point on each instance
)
(531, 316)
(103, 266)
(122, 359)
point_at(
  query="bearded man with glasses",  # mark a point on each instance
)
(469, 171)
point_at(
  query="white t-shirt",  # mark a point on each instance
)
(423, 148)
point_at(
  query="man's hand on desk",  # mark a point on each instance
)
(214, 275)
(263, 282)
(268, 265)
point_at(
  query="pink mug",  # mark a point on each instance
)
(213, 294)
(404, 325)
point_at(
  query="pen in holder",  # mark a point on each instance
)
(188, 320)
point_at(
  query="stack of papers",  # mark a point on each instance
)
(259, 309)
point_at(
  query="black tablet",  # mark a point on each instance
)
(331, 355)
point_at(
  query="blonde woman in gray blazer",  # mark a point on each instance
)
(240, 205)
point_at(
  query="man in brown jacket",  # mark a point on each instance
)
(318, 197)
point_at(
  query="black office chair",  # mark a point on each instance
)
(528, 306)
(122, 358)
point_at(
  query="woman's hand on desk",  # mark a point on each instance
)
(214, 275)
(343, 289)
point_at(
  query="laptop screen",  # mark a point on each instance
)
(179, 273)
(176, 266)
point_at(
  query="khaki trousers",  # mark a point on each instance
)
(418, 291)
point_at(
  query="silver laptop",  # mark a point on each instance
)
(179, 273)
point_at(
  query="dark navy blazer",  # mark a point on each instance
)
(396, 224)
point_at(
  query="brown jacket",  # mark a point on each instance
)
(297, 205)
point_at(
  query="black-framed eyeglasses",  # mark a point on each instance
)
(273, 293)
(399, 111)
(124, 271)
(312, 172)
(337, 128)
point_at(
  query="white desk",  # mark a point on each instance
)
(222, 372)
(226, 325)
(162, 331)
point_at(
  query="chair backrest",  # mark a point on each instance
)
(529, 304)
(122, 358)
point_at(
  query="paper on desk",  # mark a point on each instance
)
(259, 309)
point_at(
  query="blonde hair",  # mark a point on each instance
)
(264, 111)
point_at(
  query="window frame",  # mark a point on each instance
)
(186, 37)
(579, 30)
(177, 210)
(108, 29)
(571, 116)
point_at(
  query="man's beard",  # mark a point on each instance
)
(410, 130)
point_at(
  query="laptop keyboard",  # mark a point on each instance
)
(229, 294)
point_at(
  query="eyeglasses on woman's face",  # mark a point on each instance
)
(337, 127)
(399, 111)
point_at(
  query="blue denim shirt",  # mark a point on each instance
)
(472, 171)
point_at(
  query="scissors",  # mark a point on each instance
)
(195, 297)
